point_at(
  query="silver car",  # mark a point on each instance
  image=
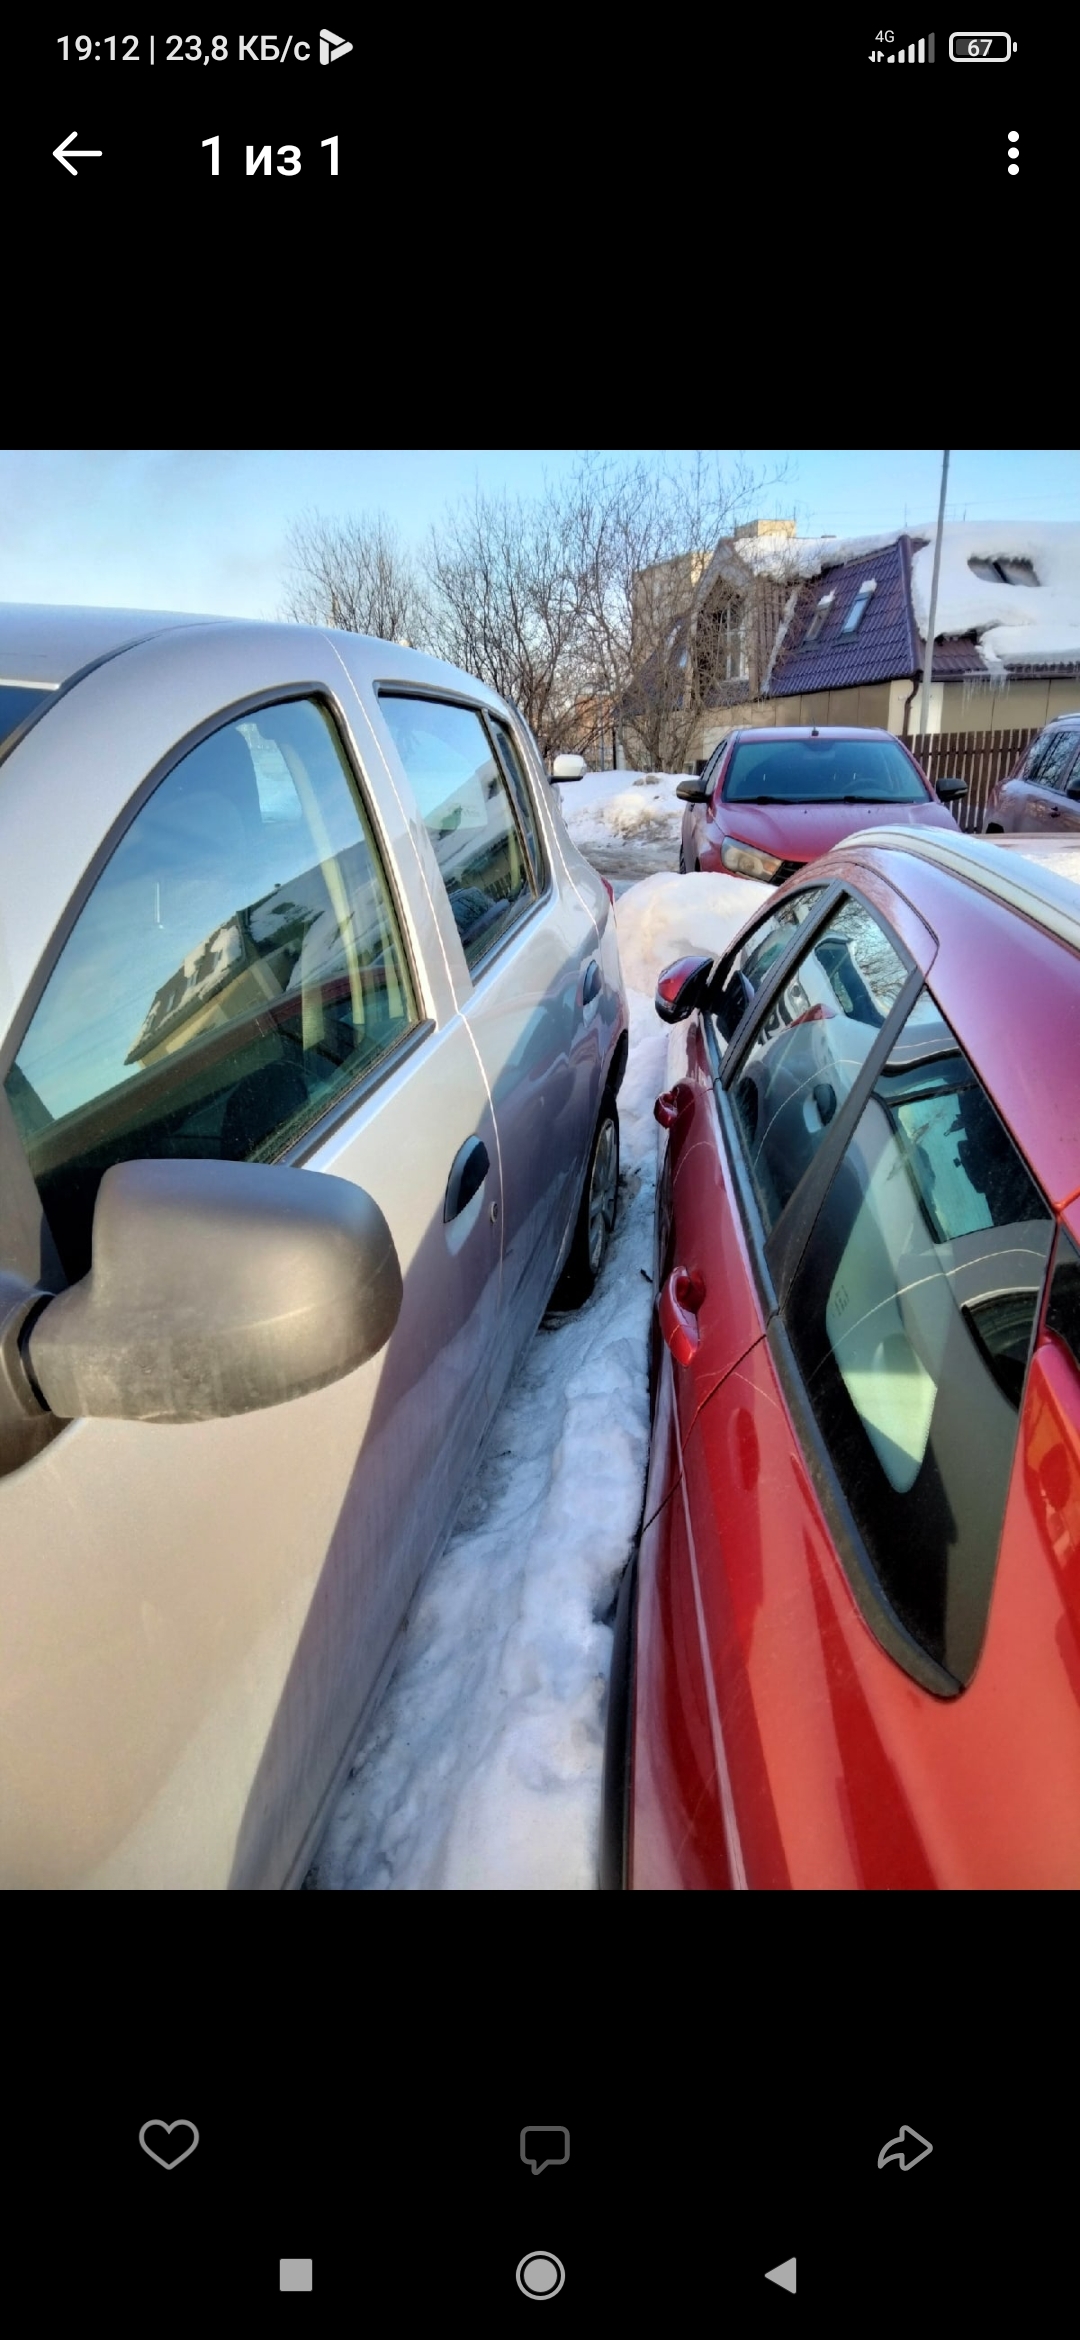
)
(273, 901)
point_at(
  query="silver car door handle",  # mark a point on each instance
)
(468, 1171)
(591, 985)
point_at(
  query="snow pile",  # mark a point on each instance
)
(637, 808)
(482, 1768)
(666, 918)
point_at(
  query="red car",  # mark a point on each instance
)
(849, 1651)
(770, 800)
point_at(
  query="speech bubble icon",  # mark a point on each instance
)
(545, 2148)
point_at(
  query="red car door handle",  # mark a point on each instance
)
(679, 1302)
(671, 1103)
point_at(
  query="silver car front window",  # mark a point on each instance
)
(236, 967)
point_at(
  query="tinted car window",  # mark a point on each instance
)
(237, 965)
(821, 771)
(911, 1317)
(771, 939)
(1054, 765)
(466, 808)
(17, 701)
(1041, 753)
(515, 773)
(811, 1044)
(752, 962)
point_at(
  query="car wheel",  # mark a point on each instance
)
(596, 1216)
(682, 862)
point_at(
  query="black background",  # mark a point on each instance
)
(726, 2094)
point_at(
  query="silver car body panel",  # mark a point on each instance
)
(194, 1619)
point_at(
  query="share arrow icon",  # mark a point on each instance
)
(908, 2149)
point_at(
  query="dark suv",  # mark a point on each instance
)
(1045, 788)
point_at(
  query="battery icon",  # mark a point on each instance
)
(981, 48)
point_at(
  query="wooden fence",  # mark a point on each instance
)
(979, 757)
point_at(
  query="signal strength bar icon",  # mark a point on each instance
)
(917, 53)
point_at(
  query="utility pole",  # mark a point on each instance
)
(928, 662)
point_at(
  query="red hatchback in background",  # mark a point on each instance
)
(849, 1651)
(770, 800)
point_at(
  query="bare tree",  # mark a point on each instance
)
(356, 574)
(506, 605)
(663, 618)
(603, 601)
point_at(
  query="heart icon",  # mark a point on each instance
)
(173, 2155)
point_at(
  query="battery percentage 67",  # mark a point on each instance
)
(976, 48)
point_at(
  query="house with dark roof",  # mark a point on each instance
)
(831, 631)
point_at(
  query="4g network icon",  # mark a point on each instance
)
(331, 47)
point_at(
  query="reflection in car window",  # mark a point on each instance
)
(911, 1318)
(810, 1047)
(760, 951)
(465, 806)
(1053, 766)
(237, 965)
(770, 940)
(512, 766)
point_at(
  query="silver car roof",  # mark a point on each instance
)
(46, 644)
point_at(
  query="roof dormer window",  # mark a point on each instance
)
(819, 617)
(859, 606)
(1003, 572)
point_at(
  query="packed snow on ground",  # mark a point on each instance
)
(482, 1768)
(624, 809)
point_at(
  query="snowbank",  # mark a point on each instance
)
(482, 1770)
(666, 918)
(639, 808)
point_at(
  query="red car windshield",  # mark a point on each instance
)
(821, 771)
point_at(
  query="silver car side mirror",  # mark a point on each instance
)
(215, 1288)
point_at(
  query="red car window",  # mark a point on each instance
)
(767, 942)
(814, 1038)
(911, 1317)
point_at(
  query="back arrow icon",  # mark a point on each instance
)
(908, 2149)
(66, 149)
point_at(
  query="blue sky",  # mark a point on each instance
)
(206, 529)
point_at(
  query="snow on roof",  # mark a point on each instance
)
(1036, 624)
(775, 555)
